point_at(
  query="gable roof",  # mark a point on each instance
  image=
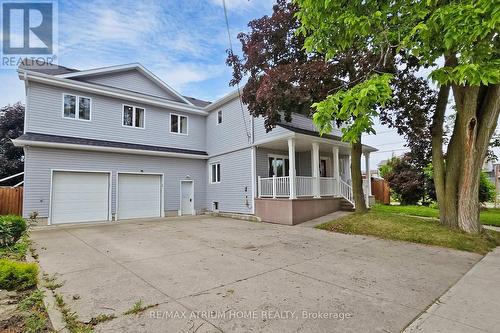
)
(48, 69)
(122, 68)
(198, 102)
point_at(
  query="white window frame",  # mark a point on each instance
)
(77, 107)
(178, 122)
(133, 116)
(276, 156)
(218, 181)
(221, 117)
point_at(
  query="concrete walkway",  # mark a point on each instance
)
(472, 305)
(323, 219)
(491, 227)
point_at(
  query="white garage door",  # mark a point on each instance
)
(139, 196)
(79, 197)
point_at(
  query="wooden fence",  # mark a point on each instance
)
(381, 191)
(11, 200)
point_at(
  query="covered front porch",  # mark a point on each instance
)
(302, 177)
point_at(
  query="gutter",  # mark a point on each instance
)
(30, 143)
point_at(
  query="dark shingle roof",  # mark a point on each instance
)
(48, 69)
(102, 143)
(316, 134)
(197, 102)
(308, 132)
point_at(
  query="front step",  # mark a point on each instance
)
(345, 205)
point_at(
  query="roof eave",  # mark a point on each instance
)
(42, 144)
(119, 68)
(108, 91)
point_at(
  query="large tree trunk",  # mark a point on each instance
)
(437, 133)
(476, 119)
(480, 111)
(357, 178)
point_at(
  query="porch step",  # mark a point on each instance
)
(345, 205)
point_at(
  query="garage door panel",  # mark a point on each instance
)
(79, 197)
(139, 196)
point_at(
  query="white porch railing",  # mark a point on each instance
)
(327, 186)
(279, 187)
(304, 186)
(346, 191)
(274, 187)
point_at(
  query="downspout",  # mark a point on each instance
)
(253, 159)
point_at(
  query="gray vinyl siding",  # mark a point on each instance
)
(261, 134)
(231, 134)
(306, 123)
(45, 116)
(132, 80)
(40, 162)
(236, 176)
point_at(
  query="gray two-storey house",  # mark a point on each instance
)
(118, 143)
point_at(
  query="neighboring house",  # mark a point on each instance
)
(117, 143)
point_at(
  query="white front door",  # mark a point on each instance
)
(187, 203)
(79, 197)
(139, 195)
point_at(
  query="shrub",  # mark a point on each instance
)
(487, 191)
(406, 180)
(12, 227)
(17, 275)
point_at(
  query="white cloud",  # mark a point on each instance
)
(243, 5)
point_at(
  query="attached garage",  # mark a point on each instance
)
(139, 195)
(79, 197)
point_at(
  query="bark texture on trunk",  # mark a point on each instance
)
(457, 179)
(437, 133)
(357, 178)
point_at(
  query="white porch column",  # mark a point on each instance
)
(336, 168)
(315, 169)
(291, 168)
(368, 178)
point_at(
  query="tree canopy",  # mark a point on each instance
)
(11, 127)
(459, 39)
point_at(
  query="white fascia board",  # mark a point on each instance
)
(107, 91)
(221, 101)
(28, 143)
(119, 68)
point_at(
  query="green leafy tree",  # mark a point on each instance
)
(284, 78)
(460, 40)
(11, 127)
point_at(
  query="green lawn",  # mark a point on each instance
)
(490, 216)
(383, 223)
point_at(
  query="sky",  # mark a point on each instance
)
(182, 42)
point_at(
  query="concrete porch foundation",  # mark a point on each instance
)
(294, 211)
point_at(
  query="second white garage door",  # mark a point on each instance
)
(139, 196)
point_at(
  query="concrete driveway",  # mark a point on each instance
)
(216, 274)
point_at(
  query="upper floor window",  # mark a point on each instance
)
(219, 117)
(76, 107)
(215, 173)
(133, 116)
(178, 124)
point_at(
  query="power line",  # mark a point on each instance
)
(237, 84)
